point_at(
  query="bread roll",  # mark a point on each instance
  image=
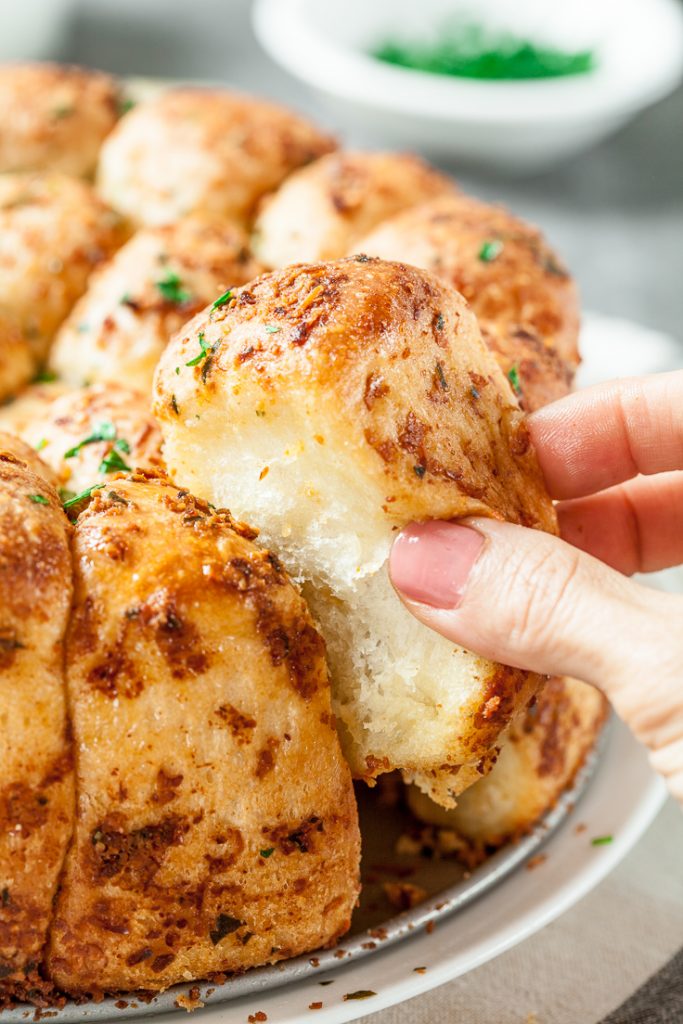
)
(87, 436)
(53, 233)
(200, 150)
(216, 823)
(523, 297)
(19, 416)
(54, 117)
(334, 403)
(16, 357)
(36, 783)
(321, 210)
(151, 287)
(546, 748)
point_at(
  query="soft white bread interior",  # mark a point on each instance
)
(136, 301)
(36, 778)
(332, 404)
(320, 210)
(216, 826)
(545, 749)
(523, 296)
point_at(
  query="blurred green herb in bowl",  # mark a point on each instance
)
(469, 50)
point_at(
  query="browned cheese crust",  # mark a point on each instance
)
(36, 784)
(54, 117)
(524, 299)
(53, 233)
(545, 750)
(390, 360)
(140, 298)
(200, 150)
(216, 823)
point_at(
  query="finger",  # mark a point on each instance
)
(634, 527)
(517, 596)
(604, 435)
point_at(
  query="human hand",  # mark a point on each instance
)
(612, 456)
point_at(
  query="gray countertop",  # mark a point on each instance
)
(615, 213)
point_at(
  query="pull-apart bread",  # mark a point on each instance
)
(332, 404)
(524, 298)
(216, 825)
(36, 778)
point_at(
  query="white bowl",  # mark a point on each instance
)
(33, 29)
(518, 125)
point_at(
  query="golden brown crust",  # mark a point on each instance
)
(19, 416)
(217, 824)
(544, 751)
(130, 435)
(36, 788)
(137, 301)
(321, 210)
(523, 297)
(54, 117)
(389, 358)
(53, 233)
(200, 150)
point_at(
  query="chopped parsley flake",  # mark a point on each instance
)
(513, 377)
(443, 383)
(420, 471)
(41, 444)
(271, 329)
(266, 853)
(222, 299)
(78, 498)
(113, 463)
(171, 287)
(38, 499)
(205, 352)
(440, 322)
(225, 925)
(177, 370)
(362, 993)
(474, 392)
(125, 104)
(174, 405)
(490, 250)
(44, 377)
(105, 431)
(601, 840)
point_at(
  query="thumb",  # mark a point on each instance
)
(526, 598)
(523, 598)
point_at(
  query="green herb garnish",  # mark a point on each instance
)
(205, 352)
(362, 993)
(113, 463)
(222, 299)
(271, 329)
(602, 840)
(440, 322)
(125, 104)
(464, 49)
(513, 377)
(225, 925)
(105, 431)
(78, 498)
(171, 287)
(419, 470)
(443, 383)
(44, 377)
(38, 499)
(41, 444)
(266, 853)
(490, 250)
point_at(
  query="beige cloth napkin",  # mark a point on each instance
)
(585, 964)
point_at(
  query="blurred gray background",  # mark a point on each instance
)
(615, 213)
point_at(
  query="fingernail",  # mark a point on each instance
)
(430, 562)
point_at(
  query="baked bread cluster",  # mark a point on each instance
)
(206, 305)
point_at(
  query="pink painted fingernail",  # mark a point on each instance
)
(430, 562)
